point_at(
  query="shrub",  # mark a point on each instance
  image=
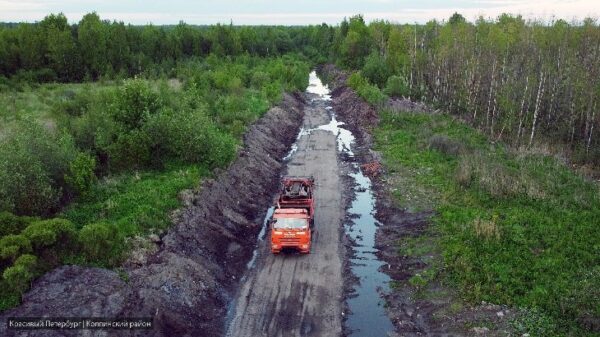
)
(130, 150)
(33, 162)
(397, 86)
(12, 224)
(372, 95)
(13, 245)
(446, 145)
(259, 79)
(18, 277)
(81, 175)
(356, 81)
(376, 70)
(28, 261)
(98, 241)
(195, 139)
(135, 102)
(48, 233)
(25, 184)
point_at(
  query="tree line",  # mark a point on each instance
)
(524, 82)
(54, 50)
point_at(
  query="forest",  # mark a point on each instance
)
(104, 123)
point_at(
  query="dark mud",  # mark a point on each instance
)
(438, 311)
(187, 283)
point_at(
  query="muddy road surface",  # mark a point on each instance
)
(292, 294)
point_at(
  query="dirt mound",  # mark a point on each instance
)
(186, 285)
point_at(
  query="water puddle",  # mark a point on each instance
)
(368, 317)
(261, 237)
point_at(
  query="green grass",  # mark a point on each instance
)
(135, 203)
(515, 229)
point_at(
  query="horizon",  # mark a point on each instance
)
(290, 13)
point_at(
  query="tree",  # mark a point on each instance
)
(92, 40)
(357, 43)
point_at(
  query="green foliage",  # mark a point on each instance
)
(376, 70)
(516, 229)
(356, 44)
(12, 224)
(12, 246)
(135, 102)
(32, 165)
(135, 203)
(48, 233)
(81, 175)
(367, 91)
(397, 86)
(18, 278)
(584, 298)
(99, 242)
(534, 322)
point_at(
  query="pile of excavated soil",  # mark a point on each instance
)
(186, 284)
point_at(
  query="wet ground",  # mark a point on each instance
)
(303, 295)
(292, 294)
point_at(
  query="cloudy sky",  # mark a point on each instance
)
(291, 12)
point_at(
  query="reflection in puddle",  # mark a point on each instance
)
(368, 316)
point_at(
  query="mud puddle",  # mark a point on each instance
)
(367, 315)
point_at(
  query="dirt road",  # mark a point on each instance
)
(292, 294)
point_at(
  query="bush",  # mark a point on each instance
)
(397, 86)
(81, 175)
(259, 79)
(48, 233)
(376, 70)
(28, 261)
(372, 95)
(446, 145)
(193, 138)
(18, 278)
(33, 162)
(25, 184)
(356, 81)
(99, 241)
(11, 246)
(135, 102)
(131, 150)
(12, 224)
(365, 90)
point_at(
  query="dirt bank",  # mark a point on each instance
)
(186, 285)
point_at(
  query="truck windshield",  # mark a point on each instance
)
(289, 223)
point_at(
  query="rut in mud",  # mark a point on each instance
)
(293, 294)
(186, 285)
(325, 293)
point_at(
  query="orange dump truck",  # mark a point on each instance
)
(293, 218)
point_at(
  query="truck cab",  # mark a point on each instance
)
(290, 228)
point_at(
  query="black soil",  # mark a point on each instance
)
(187, 283)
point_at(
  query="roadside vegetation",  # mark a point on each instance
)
(514, 224)
(514, 228)
(84, 167)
